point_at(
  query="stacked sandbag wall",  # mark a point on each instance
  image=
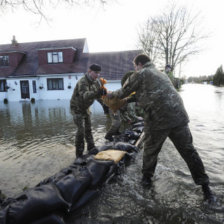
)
(70, 189)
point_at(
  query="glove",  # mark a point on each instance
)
(105, 109)
(102, 92)
(130, 99)
(103, 81)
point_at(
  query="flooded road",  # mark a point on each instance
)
(36, 141)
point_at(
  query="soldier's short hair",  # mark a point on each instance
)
(141, 58)
(95, 67)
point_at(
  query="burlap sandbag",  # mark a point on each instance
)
(111, 154)
(114, 104)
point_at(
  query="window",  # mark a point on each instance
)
(34, 86)
(4, 60)
(2, 85)
(55, 84)
(55, 57)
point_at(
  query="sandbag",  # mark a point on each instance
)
(110, 154)
(35, 204)
(138, 124)
(50, 219)
(98, 171)
(120, 145)
(125, 146)
(55, 177)
(132, 141)
(71, 188)
(3, 215)
(106, 146)
(88, 196)
(138, 129)
(114, 104)
(131, 135)
(128, 136)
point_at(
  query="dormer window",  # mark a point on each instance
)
(4, 60)
(55, 57)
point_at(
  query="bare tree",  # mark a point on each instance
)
(172, 37)
(148, 41)
(37, 6)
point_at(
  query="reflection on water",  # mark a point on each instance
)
(36, 141)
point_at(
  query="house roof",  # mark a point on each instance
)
(29, 66)
(114, 64)
(6, 71)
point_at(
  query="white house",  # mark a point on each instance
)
(49, 70)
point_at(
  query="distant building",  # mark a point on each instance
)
(49, 70)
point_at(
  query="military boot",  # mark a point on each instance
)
(208, 195)
(146, 181)
(90, 146)
(109, 137)
(117, 133)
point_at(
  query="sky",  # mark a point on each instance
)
(115, 27)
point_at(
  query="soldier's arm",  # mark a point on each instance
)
(131, 99)
(105, 107)
(131, 85)
(87, 94)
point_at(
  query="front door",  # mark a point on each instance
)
(25, 92)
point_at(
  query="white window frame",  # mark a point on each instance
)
(4, 60)
(55, 57)
(55, 84)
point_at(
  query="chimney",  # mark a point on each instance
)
(14, 41)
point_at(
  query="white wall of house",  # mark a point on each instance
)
(14, 91)
(113, 85)
(66, 93)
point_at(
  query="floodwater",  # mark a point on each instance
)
(36, 141)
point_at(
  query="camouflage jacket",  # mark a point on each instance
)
(163, 106)
(85, 92)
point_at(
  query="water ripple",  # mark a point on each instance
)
(36, 141)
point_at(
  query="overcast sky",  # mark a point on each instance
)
(115, 28)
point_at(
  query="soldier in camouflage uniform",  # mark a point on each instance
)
(164, 116)
(86, 91)
(125, 113)
(115, 123)
(128, 113)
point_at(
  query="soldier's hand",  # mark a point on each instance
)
(102, 92)
(129, 100)
(110, 95)
(105, 109)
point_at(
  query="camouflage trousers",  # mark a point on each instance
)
(182, 139)
(83, 123)
(115, 123)
(128, 113)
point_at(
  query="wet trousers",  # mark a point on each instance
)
(182, 140)
(128, 113)
(115, 123)
(83, 123)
